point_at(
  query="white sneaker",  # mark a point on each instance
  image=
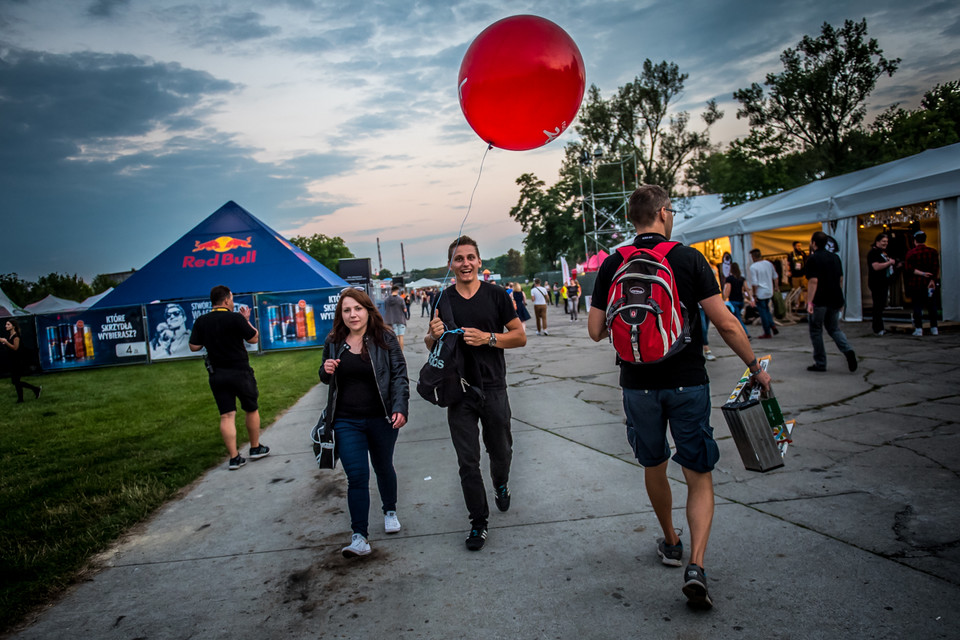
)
(917, 332)
(358, 547)
(934, 331)
(545, 332)
(709, 356)
(390, 522)
(538, 332)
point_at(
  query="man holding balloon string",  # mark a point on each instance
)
(483, 311)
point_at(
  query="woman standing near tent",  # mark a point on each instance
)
(13, 345)
(369, 394)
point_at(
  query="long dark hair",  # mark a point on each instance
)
(16, 327)
(376, 328)
(735, 270)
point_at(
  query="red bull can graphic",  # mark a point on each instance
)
(273, 323)
(221, 246)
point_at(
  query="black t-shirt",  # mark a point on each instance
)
(827, 269)
(875, 277)
(223, 332)
(357, 392)
(490, 309)
(695, 282)
(736, 288)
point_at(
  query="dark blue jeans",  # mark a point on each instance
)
(738, 311)
(829, 319)
(358, 438)
(766, 318)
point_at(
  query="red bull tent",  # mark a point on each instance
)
(231, 247)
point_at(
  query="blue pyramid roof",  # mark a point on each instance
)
(232, 248)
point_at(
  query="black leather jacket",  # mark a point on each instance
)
(389, 369)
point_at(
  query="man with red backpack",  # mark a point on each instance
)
(652, 290)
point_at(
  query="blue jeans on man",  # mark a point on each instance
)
(766, 318)
(829, 319)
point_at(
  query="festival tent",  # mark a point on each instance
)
(10, 308)
(423, 282)
(52, 304)
(92, 300)
(231, 247)
(835, 204)
(593, 262)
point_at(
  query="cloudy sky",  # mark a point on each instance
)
(123, 123)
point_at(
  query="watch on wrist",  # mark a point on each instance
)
(493, 340)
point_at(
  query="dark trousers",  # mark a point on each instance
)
(766, 318)
(878, 291)
(20, 385)
(356, 439)
(465, 419)
(921, 298)
(829, 319)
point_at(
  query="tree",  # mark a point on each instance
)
(325, 250)
(513, 263)
(62, 286)
(16, 288)
(820, 97)
(385, 273)
(548, 217)
(101, 283)
(637, 120)
(897, 133)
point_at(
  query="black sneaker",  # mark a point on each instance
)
(851, 360)
(501, 496)
(259, 451)
(477, 538)
(670, 554)
(695, 587)
(236, 463)
(816, 367)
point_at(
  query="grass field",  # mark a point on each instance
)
(100, 451)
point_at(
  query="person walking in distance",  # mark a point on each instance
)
(824, 301)
(922, 268)
(674, 391)
(13, 344)
(573, 294)
(763, 280)
(541, 299)
(485, 313)
(369, 395)
(222, 332)
(395, 313)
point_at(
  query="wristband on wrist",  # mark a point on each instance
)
(753, 363)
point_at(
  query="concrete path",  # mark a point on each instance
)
(857, 537)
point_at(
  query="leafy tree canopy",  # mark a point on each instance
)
(325, 250)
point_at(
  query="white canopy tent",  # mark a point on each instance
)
(835, 203)
(10, 308)
(52, 304)
(422, 283)
(92, 300)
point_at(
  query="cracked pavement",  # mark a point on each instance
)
(858, 535)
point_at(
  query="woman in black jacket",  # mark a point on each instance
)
(367, 405)
(14, 345)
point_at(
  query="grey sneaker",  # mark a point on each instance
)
(695, 587)
(670, 555)
(260, 451)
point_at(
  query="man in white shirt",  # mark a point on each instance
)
(763, 281)
(541, 298)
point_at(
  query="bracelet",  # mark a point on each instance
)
(751, 363)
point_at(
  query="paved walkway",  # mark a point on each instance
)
(856, 537)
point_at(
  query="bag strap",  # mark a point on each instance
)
(659, 250)
(447, 311)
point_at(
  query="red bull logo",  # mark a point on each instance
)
(220, 246)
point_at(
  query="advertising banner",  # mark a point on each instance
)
(296, 319)
(91, 338)
(169, 325)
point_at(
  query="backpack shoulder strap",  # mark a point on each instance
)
(447, 311)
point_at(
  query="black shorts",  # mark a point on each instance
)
(230, 384)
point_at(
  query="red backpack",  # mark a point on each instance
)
(645, 318)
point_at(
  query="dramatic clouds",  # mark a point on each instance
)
(125, 122)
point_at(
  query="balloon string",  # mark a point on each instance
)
(463, 222)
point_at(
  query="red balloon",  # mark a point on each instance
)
(521, 82)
